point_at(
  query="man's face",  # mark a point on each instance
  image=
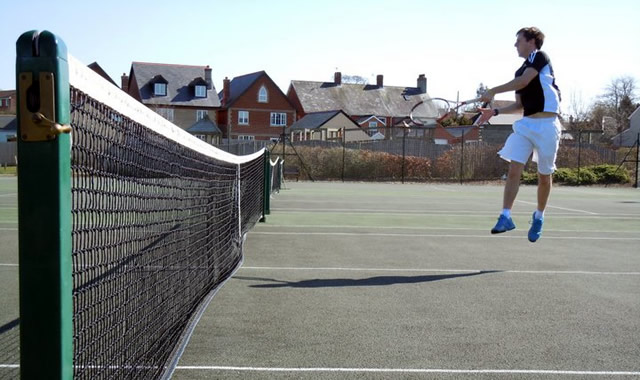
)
(523, 46)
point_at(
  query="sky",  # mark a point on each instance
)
(456, 44)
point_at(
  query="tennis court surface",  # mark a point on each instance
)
(378, 281)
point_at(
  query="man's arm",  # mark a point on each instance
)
(514, 85)
(487, 113)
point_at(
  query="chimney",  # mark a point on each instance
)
(226, 91)
(337, 78)
(207, 76)
(379, 80)
(422, 84)
(124, 80)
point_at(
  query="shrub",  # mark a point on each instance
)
(611, 174)
(529, 178)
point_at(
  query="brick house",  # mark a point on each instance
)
(254, 108)
(372, 106)
(8, 102)
(183, 94)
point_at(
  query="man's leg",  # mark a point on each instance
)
(512, 185)
(544, 189)
(505, 223)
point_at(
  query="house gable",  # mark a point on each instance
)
(244, 92)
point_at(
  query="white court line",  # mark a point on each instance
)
(468, 214)
(10, 366)
(415, 228)
(412, 370)
(8, 265)
(8, 194)
(560, 208)
(486, 236)
(339, 269)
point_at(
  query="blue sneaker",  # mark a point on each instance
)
(536, 228)
(504, 224)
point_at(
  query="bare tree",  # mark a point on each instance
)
(618, 98)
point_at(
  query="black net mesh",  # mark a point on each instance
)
(156, 228)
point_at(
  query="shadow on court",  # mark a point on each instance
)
(346, 282)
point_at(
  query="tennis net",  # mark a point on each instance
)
(158, 223)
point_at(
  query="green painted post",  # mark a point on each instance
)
(44, 216)
(266, 204)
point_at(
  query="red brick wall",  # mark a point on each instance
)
(259, 113)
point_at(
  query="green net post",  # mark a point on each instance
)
(44, 207)
(267, 187)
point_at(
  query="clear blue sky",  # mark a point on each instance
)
(457, 44)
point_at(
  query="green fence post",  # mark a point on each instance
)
(44, 208)
(266, 204)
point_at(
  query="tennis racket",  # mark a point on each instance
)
(431, 111)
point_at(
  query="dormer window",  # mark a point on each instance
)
(201, 91)
(199, 87)
(159, 85)
(262, 95)
(160, 89)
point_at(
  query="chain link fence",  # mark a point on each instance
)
(405, 156)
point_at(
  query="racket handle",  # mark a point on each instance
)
(475, 117)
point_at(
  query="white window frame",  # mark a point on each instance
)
(201, 137)
(160, 89)
(243, 117)
(246, 137)
(263, 95)
(200, 114)
(167, 113)
(201, 91)
(278, 119)
(274, 139)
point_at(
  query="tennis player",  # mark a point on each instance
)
(537, 133)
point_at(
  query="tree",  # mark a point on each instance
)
(482, 88)
(619, 98)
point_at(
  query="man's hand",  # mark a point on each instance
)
(485, 115)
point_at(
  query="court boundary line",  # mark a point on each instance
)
(412, 370)
(559, 208)
(441, 270)
(469, 214)
(335, 226)
(488, 236)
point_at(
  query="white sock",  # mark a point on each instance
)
(538, 214)
(506, 212)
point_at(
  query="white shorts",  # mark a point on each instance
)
(540, 136)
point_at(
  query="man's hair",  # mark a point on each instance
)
(532, 33)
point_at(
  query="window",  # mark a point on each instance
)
(278, 119)
(5, 102)
(274, 139)
(262, 95)
(159, 89)
(246, 137)
(167, 113)
(202, 137)
(201, 91)
(373, 128)
(200, 114)
(243, 117)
